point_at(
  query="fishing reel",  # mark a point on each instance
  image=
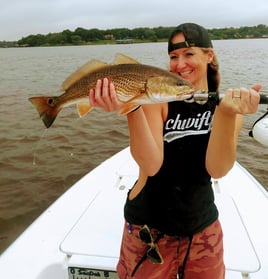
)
(259, 130)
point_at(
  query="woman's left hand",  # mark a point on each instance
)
(241, 101)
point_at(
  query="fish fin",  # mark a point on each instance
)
(83, 109)
(124, 59)
(127, 108)
(89, 67)
(46, 108)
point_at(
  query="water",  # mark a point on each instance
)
(37, 165)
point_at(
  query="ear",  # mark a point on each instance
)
(210, 56)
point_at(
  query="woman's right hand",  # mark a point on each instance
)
(241, 101)
(104, 96)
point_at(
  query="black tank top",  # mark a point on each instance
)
(179, 199)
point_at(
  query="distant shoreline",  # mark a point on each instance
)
(15, 45)
(81, 36)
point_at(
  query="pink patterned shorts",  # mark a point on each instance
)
(204, 261)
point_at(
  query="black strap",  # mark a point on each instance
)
(182, 268)
(179, 45)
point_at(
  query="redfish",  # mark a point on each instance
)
(135, 84)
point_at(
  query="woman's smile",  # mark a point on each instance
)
(185, 74)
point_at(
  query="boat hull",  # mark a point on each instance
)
(72, 232)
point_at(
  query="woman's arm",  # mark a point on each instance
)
(146, 138)
(145, 127)
(227, 124)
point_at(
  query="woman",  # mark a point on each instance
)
(172, 228)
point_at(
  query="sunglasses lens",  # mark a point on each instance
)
(154, 255)
(145, 236)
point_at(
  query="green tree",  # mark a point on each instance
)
(55, 39)
(67, 35)
(76, 39)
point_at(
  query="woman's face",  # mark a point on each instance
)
(190, 63)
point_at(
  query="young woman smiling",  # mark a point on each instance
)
(172, 228)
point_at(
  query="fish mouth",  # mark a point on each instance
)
(186, 96)
(186, 93)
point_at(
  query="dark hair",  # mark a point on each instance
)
(197, 36)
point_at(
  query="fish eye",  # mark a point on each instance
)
(179, 83)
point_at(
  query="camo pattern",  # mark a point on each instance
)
(205, 260)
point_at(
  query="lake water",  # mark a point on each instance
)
(37, 165)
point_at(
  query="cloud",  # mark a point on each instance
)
(21, 18)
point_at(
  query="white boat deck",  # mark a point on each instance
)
(83, 228)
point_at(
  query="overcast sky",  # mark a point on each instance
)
(20, 18)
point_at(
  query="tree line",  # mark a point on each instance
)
(82, 36)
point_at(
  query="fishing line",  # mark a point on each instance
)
(35, 148)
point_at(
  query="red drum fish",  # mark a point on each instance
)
(135, 84)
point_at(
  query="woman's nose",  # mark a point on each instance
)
(180, 63)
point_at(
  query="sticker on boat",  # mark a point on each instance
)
(87, 273)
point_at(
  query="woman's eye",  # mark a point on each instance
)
(189, 54)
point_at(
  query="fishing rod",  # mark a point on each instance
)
(259, 130)
(202, 96)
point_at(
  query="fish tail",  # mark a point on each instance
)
(47, 108)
